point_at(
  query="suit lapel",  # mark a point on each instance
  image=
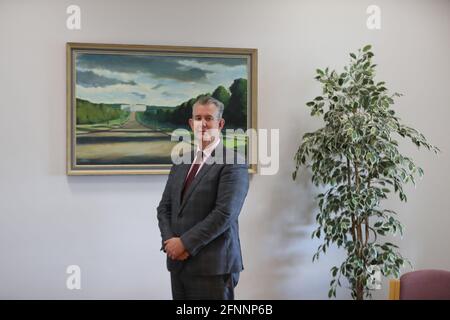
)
(181, 176)
(205, 168)
(203, 171)
(179, 186)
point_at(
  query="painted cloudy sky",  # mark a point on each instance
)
(152, 79)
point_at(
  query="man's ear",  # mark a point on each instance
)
(191, 123)
(221, 123)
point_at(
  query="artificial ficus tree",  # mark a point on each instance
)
(355, 157)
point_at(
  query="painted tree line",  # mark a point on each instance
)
(234, 100)
(91, 113)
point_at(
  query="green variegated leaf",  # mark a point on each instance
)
(354, 157)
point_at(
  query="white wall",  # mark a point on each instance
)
(107, 225)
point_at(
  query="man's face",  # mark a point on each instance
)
(205, 124)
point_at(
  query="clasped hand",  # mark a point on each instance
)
(175, 249)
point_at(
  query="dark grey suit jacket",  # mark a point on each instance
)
(207, 218)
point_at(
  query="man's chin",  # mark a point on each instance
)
(206, 140)
(203, 137)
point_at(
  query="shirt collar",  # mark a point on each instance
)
(209, 149)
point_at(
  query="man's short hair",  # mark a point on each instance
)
(205, 100)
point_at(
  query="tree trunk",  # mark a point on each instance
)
(360, 243)
(359, 290)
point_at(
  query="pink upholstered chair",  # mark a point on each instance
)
(421, 285)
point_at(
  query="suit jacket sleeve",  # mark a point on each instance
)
(165, 210)
(232, 190)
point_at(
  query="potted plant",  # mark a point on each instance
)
(355, 157)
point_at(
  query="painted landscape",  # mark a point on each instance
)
(127, 105)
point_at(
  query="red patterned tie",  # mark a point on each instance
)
(192, 173)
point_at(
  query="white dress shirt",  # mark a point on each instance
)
(206, 154)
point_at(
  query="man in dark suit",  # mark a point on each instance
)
(199, 209)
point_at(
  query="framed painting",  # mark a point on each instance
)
(124, 102)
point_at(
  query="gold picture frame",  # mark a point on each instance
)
(124, 100)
